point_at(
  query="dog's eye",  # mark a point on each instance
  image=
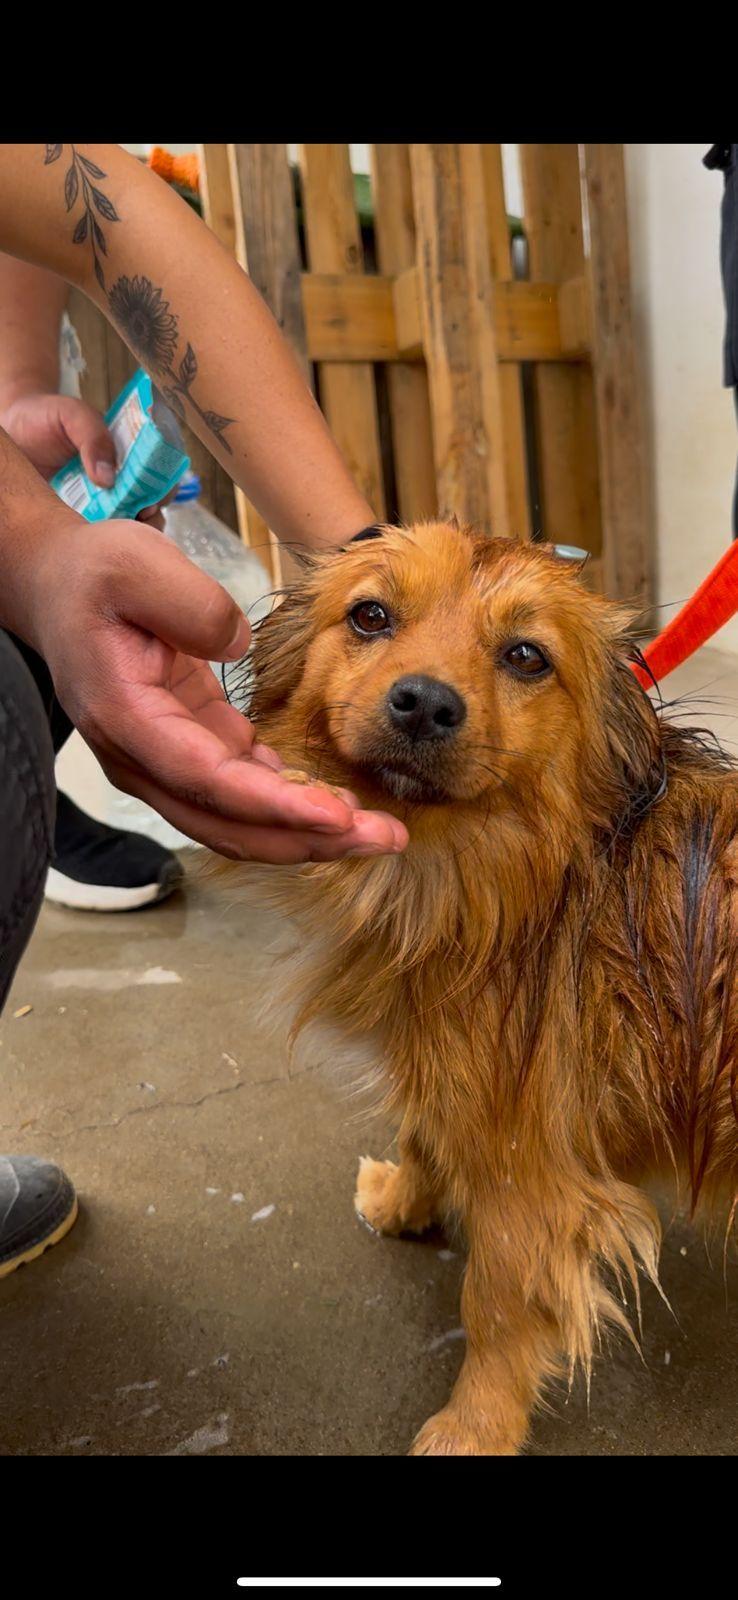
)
(369, 617)
(526, 660)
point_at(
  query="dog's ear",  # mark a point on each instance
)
(279, 649)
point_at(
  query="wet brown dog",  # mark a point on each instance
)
(549, 970)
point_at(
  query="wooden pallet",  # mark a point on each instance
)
(450, 385)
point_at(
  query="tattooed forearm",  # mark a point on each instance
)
(78, 185)
(152, 330)
(139, 309)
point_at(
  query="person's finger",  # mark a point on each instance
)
(192, 763)
(153, 516)
(372, 833)
(262, 752)
(161, 591)
(89, 437)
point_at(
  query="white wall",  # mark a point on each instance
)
(674, 218)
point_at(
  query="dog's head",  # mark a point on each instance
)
(429, 668)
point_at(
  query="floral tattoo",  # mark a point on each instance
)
(152, 329)
(140, 310)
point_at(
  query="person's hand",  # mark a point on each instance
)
(51, 428)
(127, 625)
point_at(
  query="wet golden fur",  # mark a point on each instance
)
(550, 967)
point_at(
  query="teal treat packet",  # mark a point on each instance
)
(149, 456)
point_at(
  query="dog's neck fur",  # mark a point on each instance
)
(415, 945)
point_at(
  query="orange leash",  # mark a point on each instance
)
(712, 605)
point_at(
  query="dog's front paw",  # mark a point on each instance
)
(386, 1201)
(450, 1433)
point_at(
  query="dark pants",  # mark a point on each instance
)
(32, 728)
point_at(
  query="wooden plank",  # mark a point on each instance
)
(349, 318)
(511, 381)
(575, 318)
(219, 491)
(251, 525)
(459, 334)
(216, 193)
(268, 248)
(408, 315)
(371, 317)
(626, 553)
(347, 389)
(526, 319)
(566, 441)
(532, 321)
(407, 382)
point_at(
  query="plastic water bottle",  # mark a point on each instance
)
(216, 549)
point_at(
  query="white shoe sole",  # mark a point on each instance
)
(63, 891)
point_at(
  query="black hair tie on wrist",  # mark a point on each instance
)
(374, 532)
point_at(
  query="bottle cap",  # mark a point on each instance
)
(190, 488)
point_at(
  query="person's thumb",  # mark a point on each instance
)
(88, 435)
(163, 592)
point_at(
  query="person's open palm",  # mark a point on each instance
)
(128, 625)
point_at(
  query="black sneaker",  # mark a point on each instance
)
(37, 1207)
(97, 868)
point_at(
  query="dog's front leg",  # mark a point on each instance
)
(510, 1348)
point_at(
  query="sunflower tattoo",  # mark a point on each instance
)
(152, 330)
(146, 320)
(144, 317)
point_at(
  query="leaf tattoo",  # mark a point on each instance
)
(89, 166)
(216, 423)
(71, 186)
(104, 205)
(188, 367)
(77, 182)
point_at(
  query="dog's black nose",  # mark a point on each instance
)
(423, 708)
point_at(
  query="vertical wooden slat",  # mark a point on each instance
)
(347, 389)
(407, 382)
(511, 383)
(459, 335)
(216, 193)
(269, 250)
(626, 553)
(564, 396)
(252, 527)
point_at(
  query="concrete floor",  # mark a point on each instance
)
(178, 1317)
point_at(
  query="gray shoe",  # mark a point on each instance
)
(38, 1206)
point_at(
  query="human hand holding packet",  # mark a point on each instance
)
(150, 459)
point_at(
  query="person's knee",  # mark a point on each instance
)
(27, 807)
